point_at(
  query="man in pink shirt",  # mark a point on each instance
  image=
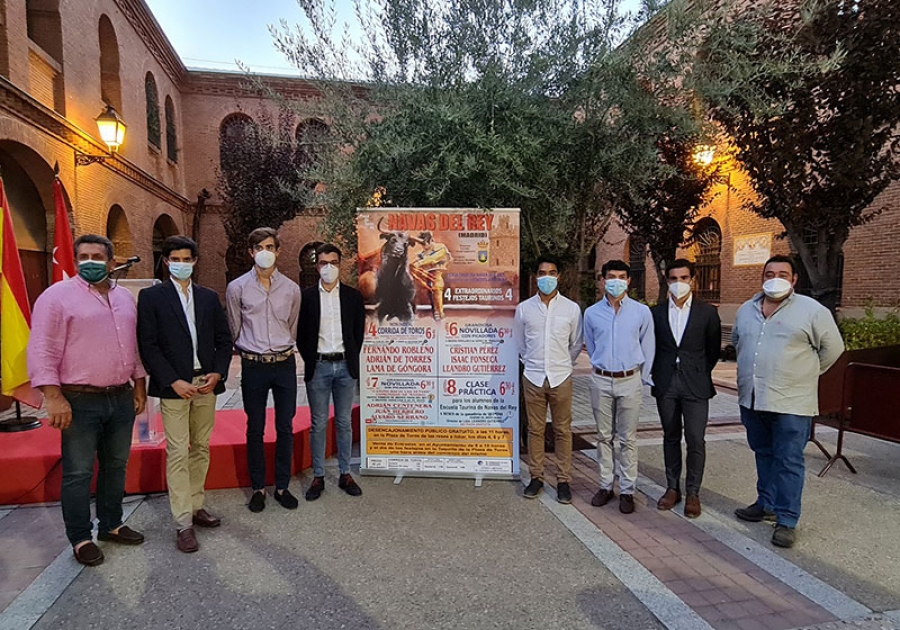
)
(83, 356)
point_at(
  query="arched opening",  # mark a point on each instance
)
(45, 58)
(171, 132)
(119, 232)
(110, 85)
(309, 275)
(153, 126)
(707, 250)
(45, 26)
(311, 136)
(28, 182)
(637, 256)
(234, 132)
(163, 228)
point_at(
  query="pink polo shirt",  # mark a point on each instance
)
(80, 338)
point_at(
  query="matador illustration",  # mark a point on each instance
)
(427, 269)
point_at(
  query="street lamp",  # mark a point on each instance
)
(112, 132)
(704, 154)
(112, 128)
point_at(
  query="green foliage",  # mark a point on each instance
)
(807, 92)
(260, 179)
(870, 331)
(485, 103)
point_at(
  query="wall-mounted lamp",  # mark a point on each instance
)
(704, 154)
(112, 132)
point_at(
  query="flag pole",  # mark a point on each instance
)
(19, 422)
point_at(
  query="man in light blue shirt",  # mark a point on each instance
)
(784, 342)
(618, 333)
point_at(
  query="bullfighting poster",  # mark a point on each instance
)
(439, 369)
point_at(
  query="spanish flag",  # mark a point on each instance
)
(15, 314)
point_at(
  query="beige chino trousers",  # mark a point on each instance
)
(559, 399)
(188, 425)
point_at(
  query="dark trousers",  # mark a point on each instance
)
(100, 431)
(680, 411)
(257, 380)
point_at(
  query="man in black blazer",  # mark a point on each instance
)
(688, 341)
(330, 336)
(185, 345)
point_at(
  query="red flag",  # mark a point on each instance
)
(15, 314)
(63, 252)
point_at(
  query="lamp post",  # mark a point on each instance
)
(112, 132)
(704, 154)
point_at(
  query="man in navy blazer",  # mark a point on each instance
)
(185, 345)
(688, 341)
(330, 334)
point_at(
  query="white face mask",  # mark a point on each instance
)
(328, 273)
(264, 259)
(776, 288)
(616, 287)
(679, 289)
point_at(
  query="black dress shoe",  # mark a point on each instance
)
(533, 489)
(563, 492)
(603, 497)
(88, 554)
(626, 503)
(349, 486)
(316, 488)
(754, 514)
(286, 499)
(257, 501)
(125, 536)
(204, 519)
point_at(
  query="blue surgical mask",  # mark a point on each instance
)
(181, 270)
(547, 284)
(93, 271)
(616, 287)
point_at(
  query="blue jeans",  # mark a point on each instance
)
(331, 378)
(778, 440)
(256, 381)
(100, 430)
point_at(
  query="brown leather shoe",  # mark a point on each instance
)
(204, 519)
(626, 503)
(88, 554)
(603, 497)
(187, 540)
(669, 500)
(692, 506)
(125, 536)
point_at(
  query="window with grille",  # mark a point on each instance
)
(708, 260)
(154, 132)
(637, 255)
(804, 285)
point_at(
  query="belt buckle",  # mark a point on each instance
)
(267, 358)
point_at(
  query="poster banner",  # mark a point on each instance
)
(439, 369)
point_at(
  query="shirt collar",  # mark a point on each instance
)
(84, 284)
(322, 289)
(190, 286)
(686, 305)
(608, 304)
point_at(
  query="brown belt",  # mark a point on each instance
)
(616, 374)
(269, 357)
(92, 389)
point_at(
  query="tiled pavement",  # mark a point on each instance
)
(728, 591)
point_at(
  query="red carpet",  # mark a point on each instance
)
(30, 469)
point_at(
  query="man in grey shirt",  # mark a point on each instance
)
(263, 308)
(784, 342)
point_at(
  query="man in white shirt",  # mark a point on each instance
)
(185, 345)
(688, 341)
(548, 335)
(330, 336)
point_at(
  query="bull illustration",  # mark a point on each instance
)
(394, 289)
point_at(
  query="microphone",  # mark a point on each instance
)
(127, 264)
